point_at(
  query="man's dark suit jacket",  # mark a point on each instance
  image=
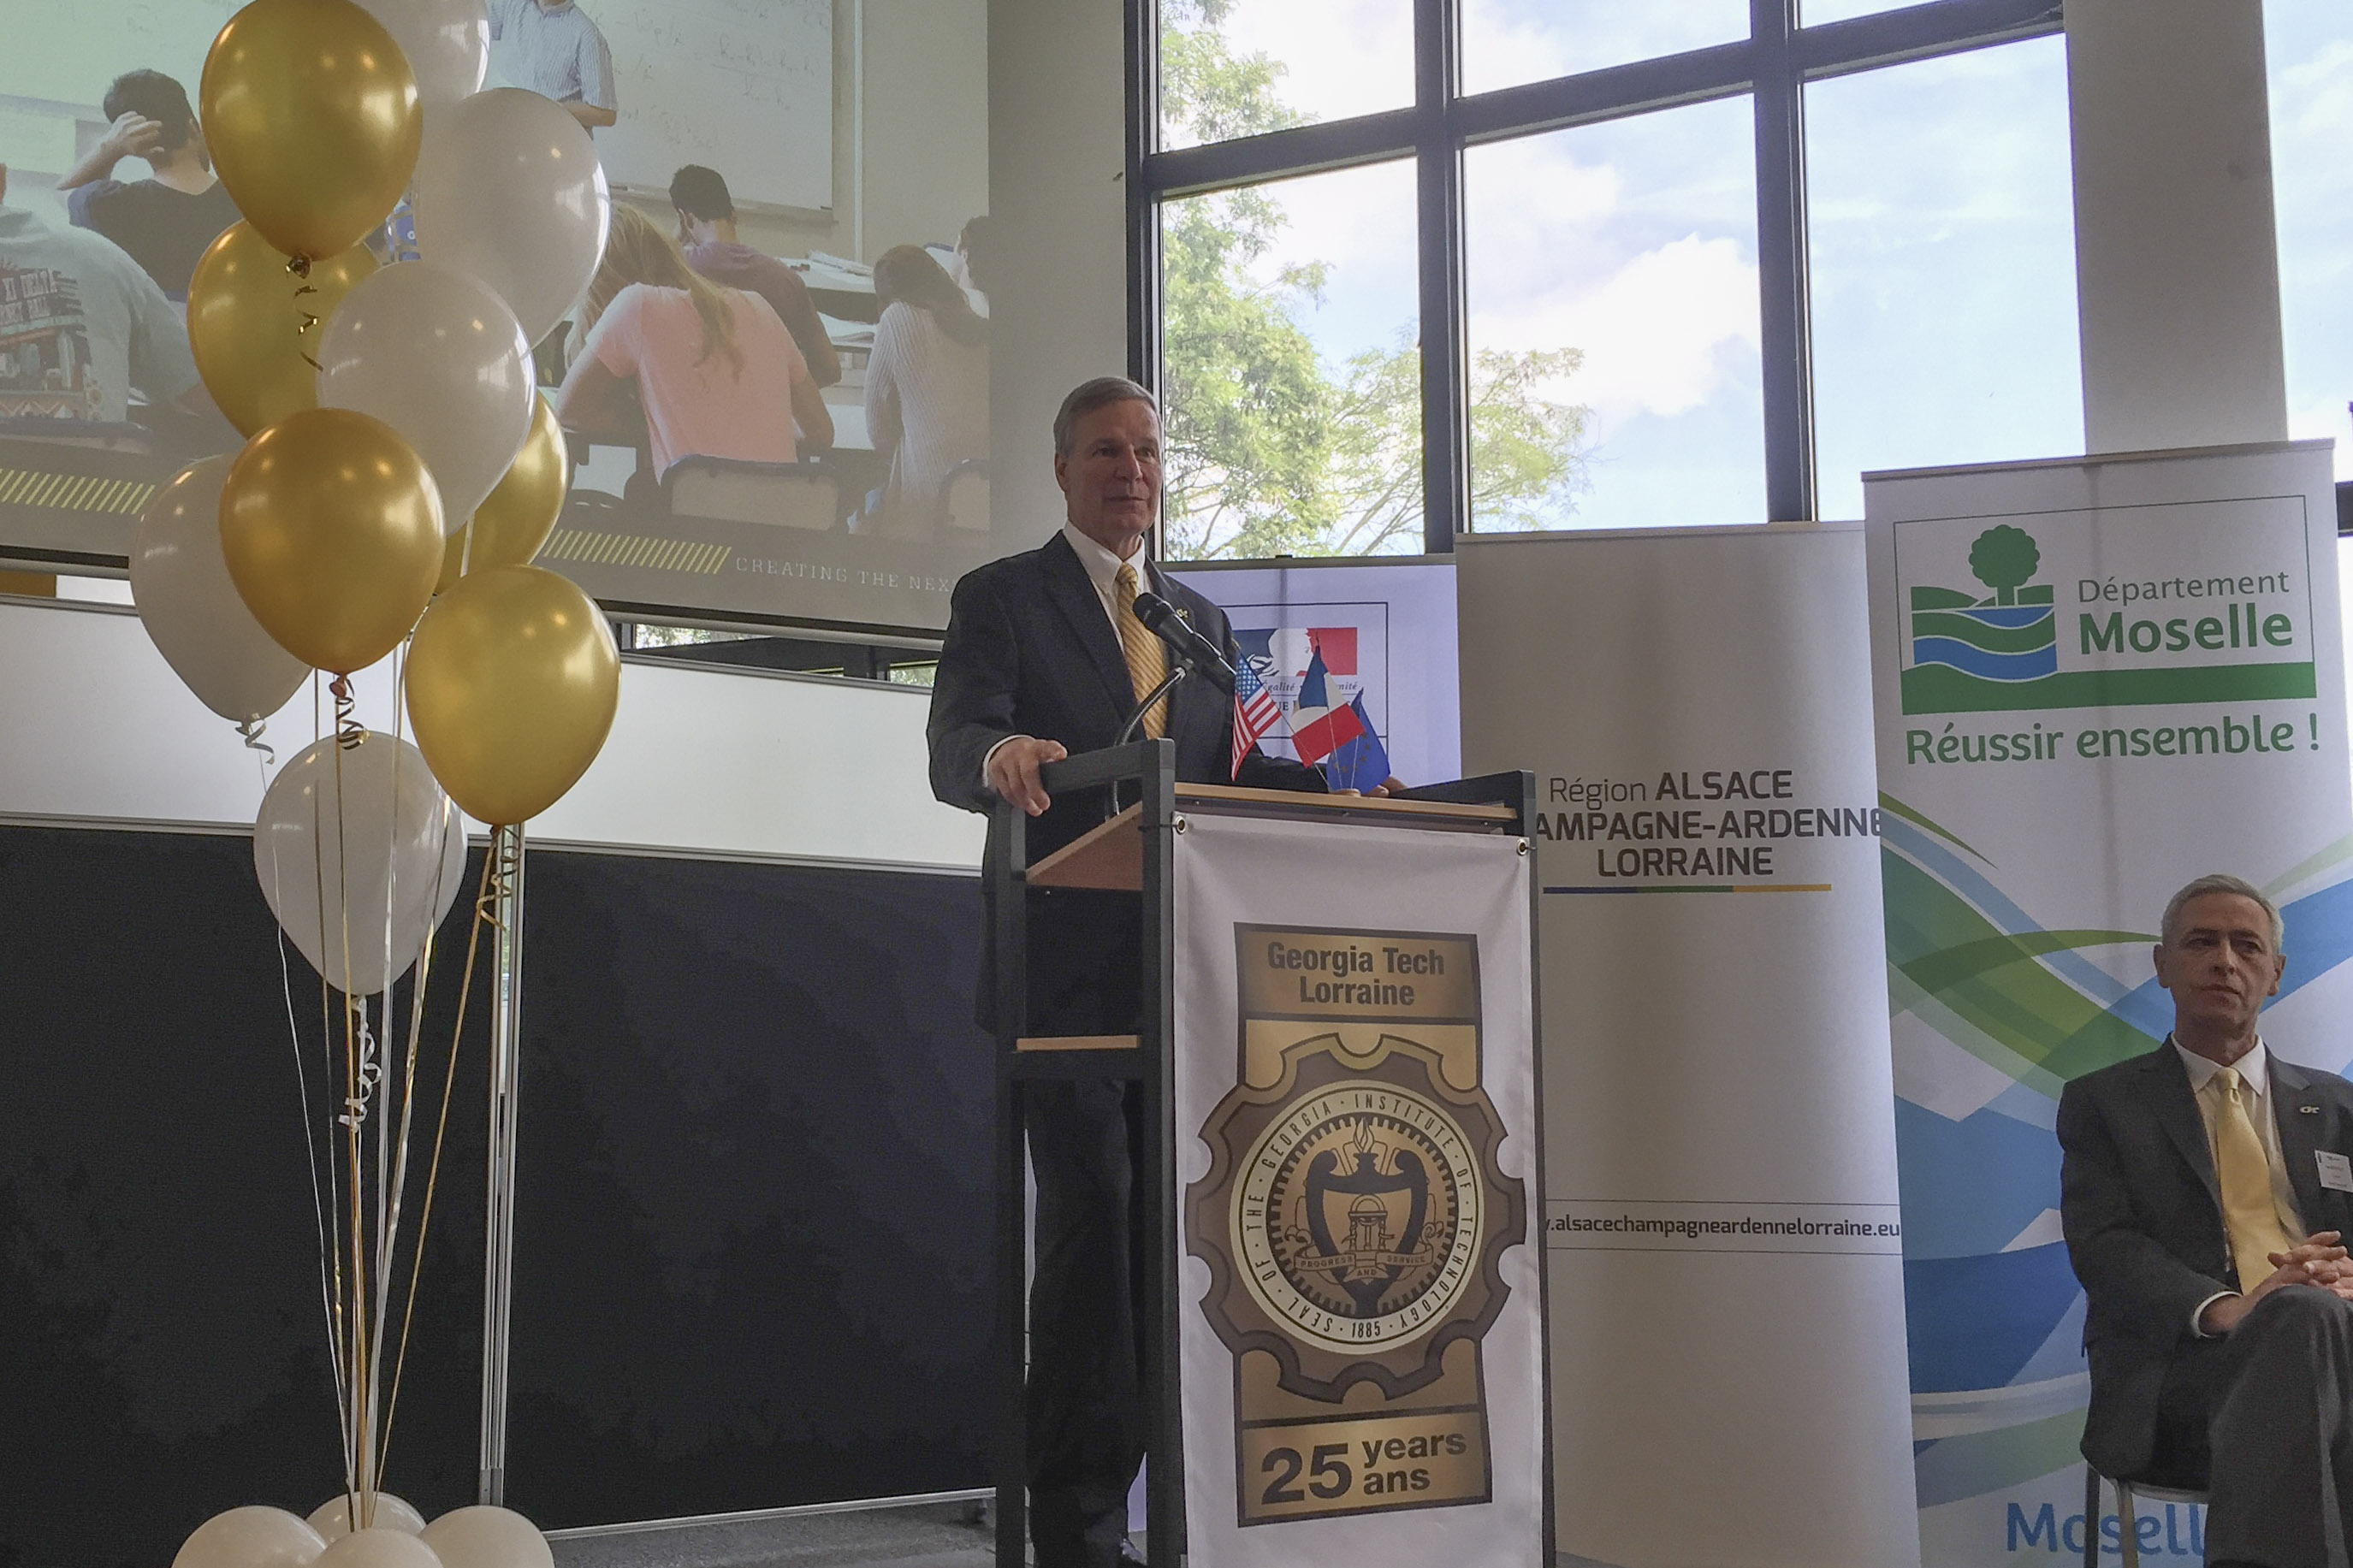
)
(1030, 652)
(2143, 1214)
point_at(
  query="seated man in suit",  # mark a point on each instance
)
(1045, 656)
(2204, 1189)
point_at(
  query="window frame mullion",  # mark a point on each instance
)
(1444, 331)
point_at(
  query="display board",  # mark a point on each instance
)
(744, 86)
(752, 1247)
(1385, 631)
(2095, 679)
(1723, 1240)
(165, 1355)
(1361, 1315)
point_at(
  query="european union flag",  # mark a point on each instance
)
(1362, 762)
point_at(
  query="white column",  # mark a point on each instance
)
(1057, 181)
(2176, 269)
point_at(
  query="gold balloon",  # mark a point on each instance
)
(515, 520)
(312, 114)
(246, 312)
(512, 683)
(332, 528)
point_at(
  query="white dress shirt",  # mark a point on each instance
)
(2255, 1083)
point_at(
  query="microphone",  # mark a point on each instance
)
(1160, 617)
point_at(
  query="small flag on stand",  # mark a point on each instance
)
(1255, 714)
(1318, 729)
(1362, 764)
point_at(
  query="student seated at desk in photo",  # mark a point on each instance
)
(706, 234)
(926, 390)
(91, 325)
(167, 220)
(714, 370)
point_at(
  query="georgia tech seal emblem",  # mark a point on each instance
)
(1351, 1219)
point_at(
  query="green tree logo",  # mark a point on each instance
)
(2004, 558)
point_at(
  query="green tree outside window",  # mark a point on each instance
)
(1272, 452)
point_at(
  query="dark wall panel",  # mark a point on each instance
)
(754, 1225)
(161, 1342)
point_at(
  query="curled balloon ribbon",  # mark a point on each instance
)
(355, 1103)
(350, 733)
(251, 729)
(299, 269)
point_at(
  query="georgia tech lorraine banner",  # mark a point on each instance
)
(2095, 681)
(1362, 1340)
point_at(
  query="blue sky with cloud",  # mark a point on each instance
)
(1942, 242)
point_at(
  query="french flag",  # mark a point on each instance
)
(1317, 728)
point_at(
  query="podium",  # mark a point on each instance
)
(1335, 1044)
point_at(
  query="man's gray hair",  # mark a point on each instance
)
(1089, 396)
(2219, 883)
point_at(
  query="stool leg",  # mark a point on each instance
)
(2127, 1525)
(2091, 1515)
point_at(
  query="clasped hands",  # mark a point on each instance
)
(1013, 775)
(2318, 1260)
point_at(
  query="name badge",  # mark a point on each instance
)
(2336, 1172)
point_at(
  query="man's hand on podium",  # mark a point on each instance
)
(1013, 771)
(1382, 790)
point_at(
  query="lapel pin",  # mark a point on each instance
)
(2307, 1110)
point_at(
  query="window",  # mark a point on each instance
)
(1508, 42)
(1238, 67)
(1427, 266)
(1613, 324)
(1292, 382)
(1941, 215)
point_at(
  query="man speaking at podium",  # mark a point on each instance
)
(1046, 655)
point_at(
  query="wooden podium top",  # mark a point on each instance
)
(1111, 857)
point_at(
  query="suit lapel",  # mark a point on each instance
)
(2298, 1138)
(1073, 593)
(2177, 1112)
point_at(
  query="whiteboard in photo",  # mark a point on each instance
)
(744, 86)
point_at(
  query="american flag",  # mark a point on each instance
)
(1255, 713)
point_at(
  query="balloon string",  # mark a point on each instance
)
(342, 1304)
(310, 1139)
(251, 729)
(392, 1185)
(350, 733)
(486, 897)
(357, 1049)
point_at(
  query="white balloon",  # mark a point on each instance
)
(379, 1549)
(439, 357)
(487, 1537)
(251, 1538)
(509, 189)
(192, 611)
(415, 864)
(448, 43)
(331, 1518)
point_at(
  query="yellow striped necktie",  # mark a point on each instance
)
(2249, 1212)
(1148, 655)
